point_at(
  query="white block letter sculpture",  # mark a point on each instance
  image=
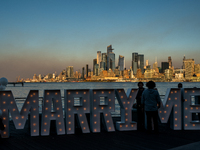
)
(102, 102)
(77, 102)
(172, 100)
(52, 110)
(126, 102)
(191, 109)
(8, 104)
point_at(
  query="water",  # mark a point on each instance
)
(19, 91)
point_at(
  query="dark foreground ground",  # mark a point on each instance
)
(167, 139)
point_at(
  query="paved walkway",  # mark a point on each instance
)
(167, 139)
(192, 146)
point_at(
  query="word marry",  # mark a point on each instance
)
(95, 102)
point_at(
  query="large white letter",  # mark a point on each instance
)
(77, 102)
(8, 104)
(52, 110)
(102, 102)
(172, 100)
(191, 109)
(126, 102)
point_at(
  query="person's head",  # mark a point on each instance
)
(140, 85)
(180, 85)
(151, 85)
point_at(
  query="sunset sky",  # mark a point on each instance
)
(44, 36)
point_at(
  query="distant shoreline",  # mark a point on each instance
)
(103, 82)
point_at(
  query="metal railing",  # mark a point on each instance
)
(20, 101)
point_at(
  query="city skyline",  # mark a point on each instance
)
(44, 37)
(103, 70)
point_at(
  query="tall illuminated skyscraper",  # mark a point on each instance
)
(155, 65)
(121, 63)
(96, 70)
(170, 61)
(70, 71)
(183, 67)
(98, 57)
(137, 62)
(147, 62)
(103, 65)
(110, 58)
(141, 62)
(197, 69)
(189, 68)
(104, 61)
(134, 62)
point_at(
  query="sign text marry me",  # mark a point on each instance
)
(95, 102)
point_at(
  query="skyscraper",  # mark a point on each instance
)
(98, 57)
(147, 62)
(155, 65)
(134, 62)
(164, 65)
(137, 62)
(189, 68)
(197, 69)
(103, 65)
(183, 67)
(109, 48)
(94, 63)
(104, 60)
(110, 58)
(86, 70)
(170, 62)
(96, 70)
(121, 63)
(141, 62)
(70, 71)
(83, 73)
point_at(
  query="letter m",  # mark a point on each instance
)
(171, 103)
(8, 105)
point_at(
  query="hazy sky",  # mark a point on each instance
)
(44, 36)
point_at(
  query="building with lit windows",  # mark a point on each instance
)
(137, 62)
(98, 57)
(141, 62)
(94, 63)
(104, 60)
(170, 61)
(189, 68)
(121, 63)
(134, 62)
(110, 58)
(70, 71)
(197, 69)
(164, 65)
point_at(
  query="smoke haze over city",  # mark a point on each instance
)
(44, 36)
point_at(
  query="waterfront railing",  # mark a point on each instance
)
(20, 101)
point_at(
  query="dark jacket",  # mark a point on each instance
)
(150, 99)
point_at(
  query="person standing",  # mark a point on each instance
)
(140, 110)
(151, 101)
(180, 86)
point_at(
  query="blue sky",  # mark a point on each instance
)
(44, 36)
